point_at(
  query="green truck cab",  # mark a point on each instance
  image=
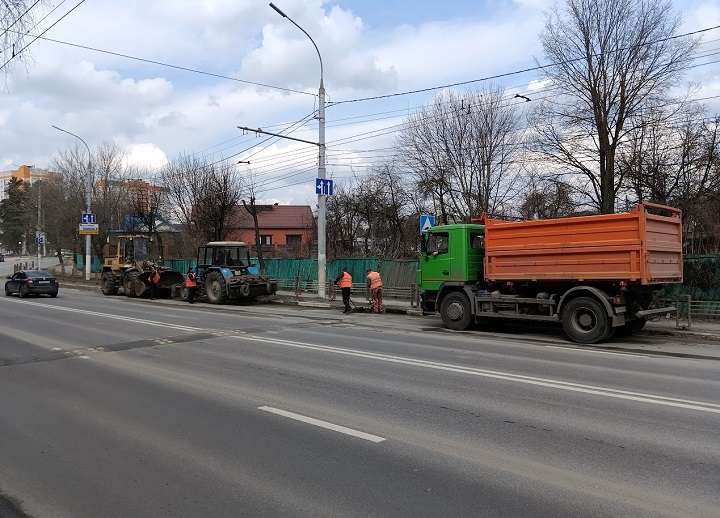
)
(452, 257)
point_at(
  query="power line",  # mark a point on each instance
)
(48, 14)
(43, 32)
(165, 64)
(514, 72)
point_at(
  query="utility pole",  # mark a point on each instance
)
(39, 227)
(322, 238)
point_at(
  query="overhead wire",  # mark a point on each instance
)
(517, 72)
(35, 38)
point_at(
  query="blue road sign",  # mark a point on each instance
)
(88, 217)
(324, 186)
(427, 221)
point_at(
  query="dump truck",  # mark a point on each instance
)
(127, 266)
(225, 273)
(595, 275)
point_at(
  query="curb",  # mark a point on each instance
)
(86, 287)
(329, 305)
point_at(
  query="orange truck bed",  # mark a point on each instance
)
(636, 247)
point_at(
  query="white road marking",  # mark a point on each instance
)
(323, 424)
(654, 399)
(106, 315)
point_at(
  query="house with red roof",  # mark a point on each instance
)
(285, 230)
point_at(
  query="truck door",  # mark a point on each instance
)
(437, 260)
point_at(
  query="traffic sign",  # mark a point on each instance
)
(89, 229)
(324, 186)
(427, 221)
(40, 238)
(88, 217)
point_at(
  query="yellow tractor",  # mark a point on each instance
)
(127, 266)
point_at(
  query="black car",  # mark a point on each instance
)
(35, 282)
(2, 258)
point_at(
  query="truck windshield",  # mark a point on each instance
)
(438, 243)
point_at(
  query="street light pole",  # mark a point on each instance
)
(322, 199)
(88, 200)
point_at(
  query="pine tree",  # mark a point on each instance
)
(15, 214)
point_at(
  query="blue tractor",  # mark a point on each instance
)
(225, 273)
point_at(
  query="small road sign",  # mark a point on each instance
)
(88, 217)
(40, 238)
(89, 229)
(427, 221)
(324, 186)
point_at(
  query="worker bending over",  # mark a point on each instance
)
(375, 284)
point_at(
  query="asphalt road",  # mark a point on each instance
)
(116, 407)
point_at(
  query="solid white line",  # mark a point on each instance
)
(506, 376)
(106, 315)
(323, 424)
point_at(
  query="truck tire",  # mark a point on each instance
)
(585, 321)
(108, 284)
(215, 288)
(455, 311)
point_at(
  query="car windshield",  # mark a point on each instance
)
(39, 273)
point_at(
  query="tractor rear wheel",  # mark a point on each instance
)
(108, 284)
(215, 288)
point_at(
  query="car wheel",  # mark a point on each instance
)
(7, 291)
(23, 292)
(54, 294)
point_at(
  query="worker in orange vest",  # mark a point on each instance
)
(374, 282)
(154, 281)
(191, 285)
(344, 282)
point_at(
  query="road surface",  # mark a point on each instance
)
(114, 407)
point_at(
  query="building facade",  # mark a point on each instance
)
(26, 173)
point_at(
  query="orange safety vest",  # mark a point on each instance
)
(345, 281)
(375, 280)
(191, 282)
(155, 277)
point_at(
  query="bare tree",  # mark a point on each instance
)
(202, 196)
(252, 209)
(545, 198)
(461, 149)
(677, 164)
(611, 59)
(17, 19)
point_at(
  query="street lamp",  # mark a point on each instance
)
(321, 161)
(88, 200)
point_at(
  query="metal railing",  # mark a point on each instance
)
(301, 286)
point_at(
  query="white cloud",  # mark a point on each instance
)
(145, 156)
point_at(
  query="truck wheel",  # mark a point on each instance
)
(455, 311)
(585, 321)
(215, 288)
(108, 286)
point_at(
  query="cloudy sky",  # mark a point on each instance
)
(370, 47)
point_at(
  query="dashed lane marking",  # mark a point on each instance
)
(323, 424)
